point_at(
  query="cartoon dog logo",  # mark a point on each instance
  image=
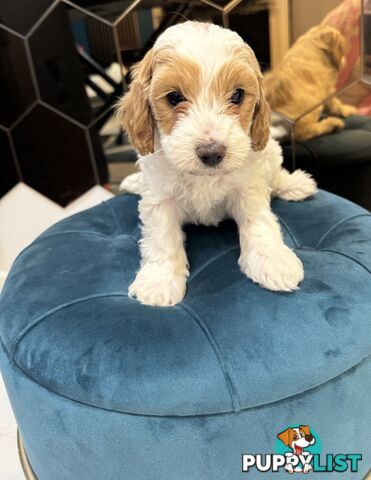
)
(298, 439)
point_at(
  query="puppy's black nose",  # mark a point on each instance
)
(308, 438)
(211, 154)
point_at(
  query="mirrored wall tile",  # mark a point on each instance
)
(99, 59)
(54, 155)
(17, 91)
(252, 24)
(99, 156)
(107, 11)
(8, 171)
(138, 30)
(219, 4)
(58, 68)
(21, 15)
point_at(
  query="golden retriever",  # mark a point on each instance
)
(306, 76)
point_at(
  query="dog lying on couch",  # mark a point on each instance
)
(306, 76)
(197, 115)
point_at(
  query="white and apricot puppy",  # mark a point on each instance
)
(197, 115)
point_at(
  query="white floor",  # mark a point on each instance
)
(10, 467)
(24, 214)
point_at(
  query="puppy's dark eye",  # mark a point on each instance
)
(238, 96)
(174, 98)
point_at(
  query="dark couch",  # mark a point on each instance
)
(340, 162)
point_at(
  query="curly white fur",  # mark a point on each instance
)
(176, 188)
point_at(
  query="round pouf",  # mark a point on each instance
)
(106, 388)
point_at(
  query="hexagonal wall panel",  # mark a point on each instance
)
(107, 11)
(251, 22)
(57, 66)
(17, 91)
(138, 23)
(56, 160)
(9, 176)
(99, 60)
(22, 14)
(139, 28)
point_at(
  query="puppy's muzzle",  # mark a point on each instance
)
(211, 154)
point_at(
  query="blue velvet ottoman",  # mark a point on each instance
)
(105, 388)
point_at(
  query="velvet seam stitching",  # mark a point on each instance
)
(88, 405)
(56, 309)
(338, 224)
(221, 358)
(289, 232)
(211, 260)
(116, 223)
(69, 232)
(346, 256)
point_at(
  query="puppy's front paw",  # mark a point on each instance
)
(277, 269)
(158, 285)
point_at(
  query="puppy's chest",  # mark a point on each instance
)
(204, 203)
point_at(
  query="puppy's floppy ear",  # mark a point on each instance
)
(134, 108)
(285, 436)
(305, 429)
(260, 128)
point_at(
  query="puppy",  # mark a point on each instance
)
(298, 439)
(197, 114)
(306, 76)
